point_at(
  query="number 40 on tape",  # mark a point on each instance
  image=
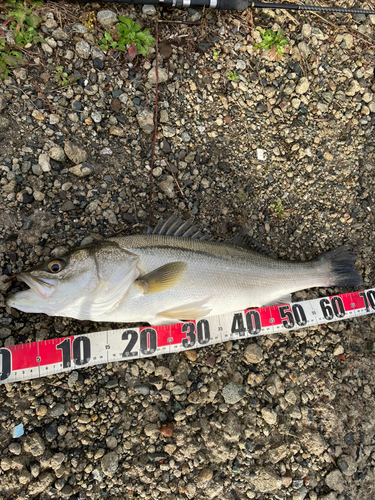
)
(37, 359)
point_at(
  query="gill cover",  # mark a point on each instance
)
(88, 278)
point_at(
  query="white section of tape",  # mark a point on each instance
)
(37, 359)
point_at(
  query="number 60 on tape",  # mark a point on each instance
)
(37, 359)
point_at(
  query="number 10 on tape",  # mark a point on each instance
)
(47, 357)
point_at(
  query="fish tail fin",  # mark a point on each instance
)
(340, 262)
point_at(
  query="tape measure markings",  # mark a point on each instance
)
(47, 357)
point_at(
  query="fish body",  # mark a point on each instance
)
(163, 279)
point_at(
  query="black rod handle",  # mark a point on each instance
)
(235, 5)
(311, 8)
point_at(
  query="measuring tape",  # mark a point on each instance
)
(47, 357)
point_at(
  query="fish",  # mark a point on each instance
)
(173, 274)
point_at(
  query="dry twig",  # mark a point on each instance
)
(174, 177)
(156, 120)
(10, 278)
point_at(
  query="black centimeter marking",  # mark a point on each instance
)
(81, 351)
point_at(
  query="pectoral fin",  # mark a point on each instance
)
(162, 278)
(186, 311)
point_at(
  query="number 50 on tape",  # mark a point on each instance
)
(38, 359)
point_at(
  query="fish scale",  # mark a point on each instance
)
(46, 357)
(163, 278)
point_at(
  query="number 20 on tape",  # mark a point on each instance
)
(36, 359)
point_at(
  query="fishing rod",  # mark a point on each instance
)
(239, 5)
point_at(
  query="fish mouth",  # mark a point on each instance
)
(43, 287)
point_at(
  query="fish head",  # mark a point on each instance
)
(72, 285)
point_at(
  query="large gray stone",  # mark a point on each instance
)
(109, 463)
(106, 18)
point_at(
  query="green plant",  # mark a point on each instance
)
(242, 195)
(8, 58)
(88, 20)
(278, 210)
(62, 78)
(231, 75)
(128, 35)
(216, 54)
(274, 42)
(21, 21)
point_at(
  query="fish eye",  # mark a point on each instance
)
(55, 266)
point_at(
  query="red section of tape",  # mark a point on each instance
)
(145, 341)
(352, 301)
(24, 355)
(48, 352)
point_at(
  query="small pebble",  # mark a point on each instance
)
(166, 430)
(143, 389)
(191, 355)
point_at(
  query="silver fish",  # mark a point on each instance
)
(171, 275)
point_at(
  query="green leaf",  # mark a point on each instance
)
(142, 37)
(3, 69)
(142, 50)
(129, 23)
(12, 61)
(19, 38)
(19, 16)
(130, 33)
(34, 20)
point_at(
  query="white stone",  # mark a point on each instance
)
(106, 18)
(348, 40)
(269, 416)
(47, 49)
(44, 162)
(253, 354)
(353, 88)
(335, 480)
(157, 171)
(38, 195)
(148, 9)
(296, 103)
(162, 75)
(306, 30)
(367, 97)
(81, 170)
(303, 85)
(83, 49)
(57, 153)
(338, 350)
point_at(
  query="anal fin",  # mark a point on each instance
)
(285, 299)
(187, 311)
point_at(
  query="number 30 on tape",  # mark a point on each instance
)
(47, 357)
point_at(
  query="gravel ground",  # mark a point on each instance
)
(298, 418)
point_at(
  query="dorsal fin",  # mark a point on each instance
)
(244, 240)
(176, 227)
